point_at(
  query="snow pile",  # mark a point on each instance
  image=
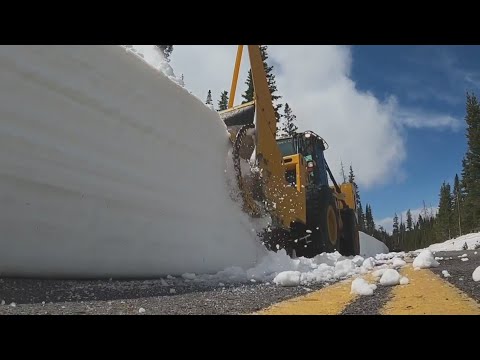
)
(154, 57)
(361, 287)
(113, 170)
(476, 274)
(425, 260)
(369, 246)
(472, 240)
(288, 278)
(390, 277)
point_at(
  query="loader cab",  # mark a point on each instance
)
(311, 146)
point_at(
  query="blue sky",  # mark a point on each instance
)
(432, 79)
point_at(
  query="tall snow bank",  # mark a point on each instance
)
(109, 169)
(369, 246)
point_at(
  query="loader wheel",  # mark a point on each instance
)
(322, 221)
(350, 245)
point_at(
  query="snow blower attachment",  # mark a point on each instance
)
(286, 179)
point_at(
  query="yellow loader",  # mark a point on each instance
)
(287, 179)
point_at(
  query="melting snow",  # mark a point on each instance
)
(476, 274)
(362, 287)
(390, 277)
(425, 260)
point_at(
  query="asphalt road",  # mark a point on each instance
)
(180, 296)
(460, 271)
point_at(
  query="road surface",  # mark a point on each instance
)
(428, 292)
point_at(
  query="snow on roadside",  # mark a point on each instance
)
(476, 274)
(472, 240)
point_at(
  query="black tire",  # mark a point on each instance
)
(322, 211)
(350, 245)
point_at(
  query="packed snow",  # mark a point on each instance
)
(457, 244)
(398, 263)
(390, 277)
(425, 260)
(446, 273)
(112, 170)
(476, 274)
(362, 287)
(288, 278)
(369, 246)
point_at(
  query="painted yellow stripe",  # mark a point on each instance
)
(330, 300)
(428, 294)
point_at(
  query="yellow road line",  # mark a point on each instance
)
(428, 294)
(330, 300)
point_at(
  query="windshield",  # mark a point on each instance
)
(286, 147)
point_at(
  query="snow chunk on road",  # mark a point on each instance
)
(464, 259)
(397, 263)
(368, 264)
(378, 273)
(446, 273)
(476, 274)
(358, 260)
(288, 278)
(404, 280)
(189, 276)
(425, 260)
(462, 256)
(141, 310)
(344, 268)
(361, 287)
(390, 277)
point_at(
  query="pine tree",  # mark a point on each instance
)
(370, 224)
(361, 217)
(248, 95)
(209, 100)
(360, 214)
(396, 230)
(409, 220)
(471, 165)
(223, 102)
(289, 126)
(342, 172)
(457, 206)
(351, 176)
(444, 217)
(166, 51)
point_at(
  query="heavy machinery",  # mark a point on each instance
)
(287, 178)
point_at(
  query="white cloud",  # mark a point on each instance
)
(387, 223)
(315, 81)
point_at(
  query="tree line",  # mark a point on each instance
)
(458, 207)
